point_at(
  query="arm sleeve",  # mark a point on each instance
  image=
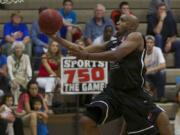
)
(172, 24)
(6, 30)
(152, 22)
(25, 30)
(161, 59)
(29, 70)
(4, 61)
(74, 18)
(10, 67)
(34, 36)
(87, 31)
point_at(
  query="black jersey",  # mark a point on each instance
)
(127, 73)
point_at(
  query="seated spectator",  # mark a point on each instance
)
(42, 116)
(40, 42)
(95, 27)
(70, 28)
(49, 70)
(9, 123)
(155, 64)
(25, 104)
(153, 6)
(123, 9)
(163, 26)
(5, 109)
(107, 35)
(19, 69)
(4, 82)
(177, 117)
(16, 30)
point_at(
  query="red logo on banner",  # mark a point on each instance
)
(82, 76)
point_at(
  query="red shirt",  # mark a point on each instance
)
(115, 15)
(44, 73)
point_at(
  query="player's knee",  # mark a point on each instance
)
(87, 123)
(164, 124)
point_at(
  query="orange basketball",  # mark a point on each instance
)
(50, 21)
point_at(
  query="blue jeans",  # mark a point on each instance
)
(158, 81)
(174, 48)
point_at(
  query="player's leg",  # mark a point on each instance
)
(89, 126)
(163, 124)
(102, 109)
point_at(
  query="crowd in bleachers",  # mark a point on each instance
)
(22, 52)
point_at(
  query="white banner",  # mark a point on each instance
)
(83, 76)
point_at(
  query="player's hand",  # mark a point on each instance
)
(80, 54)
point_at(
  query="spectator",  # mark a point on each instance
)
(177, 117)
(25, 104)
(163, 26)
(154, 3)
(42, 117)
(123, 9)
(39, 40)
(107, 35)
(69, 16)
(95, 26)
(16, 30)
(153, 8)
(155, 64)
(4, 82)
(5, 110)
(49, 70)
(19, 69)
(70, 28)
(9, 124)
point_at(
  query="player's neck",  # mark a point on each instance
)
(127, 33)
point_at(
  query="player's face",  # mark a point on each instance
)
(68, 6)
(150, 44)
(33, 90)
(9, 101)
(37, 106)
(18, 50)
(121, 25)
(54, 47)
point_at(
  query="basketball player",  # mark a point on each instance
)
(124, 95)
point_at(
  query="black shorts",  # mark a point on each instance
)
(137, 108)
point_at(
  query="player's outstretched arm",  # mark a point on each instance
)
(65, 43)
(74, 47)
(134, 41)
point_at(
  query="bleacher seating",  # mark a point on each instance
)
(84, 9)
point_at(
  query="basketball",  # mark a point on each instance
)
(50, 21)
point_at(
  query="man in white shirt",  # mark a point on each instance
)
(155, 64)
